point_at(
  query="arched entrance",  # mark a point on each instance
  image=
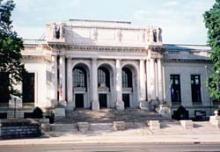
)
(129, 86)
(80, 85)
(104, 85)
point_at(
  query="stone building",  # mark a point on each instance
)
(96, 64)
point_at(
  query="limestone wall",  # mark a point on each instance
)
(185, 70)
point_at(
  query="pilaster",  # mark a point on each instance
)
(142, 81)
(160, 80)
(151, 80)
(70, 103)
(62, 80)
(55, 80)
(119, 102)
(94, 86)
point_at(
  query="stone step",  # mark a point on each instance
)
(63, 127)
(101, 127)
(110, 115)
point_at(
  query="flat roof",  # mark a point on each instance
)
(103, 21)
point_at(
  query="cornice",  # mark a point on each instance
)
(72, 47)
(36, 58)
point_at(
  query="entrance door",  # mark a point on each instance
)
(126, 99)
(79, 100)
(103, 100)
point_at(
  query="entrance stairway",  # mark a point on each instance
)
(109, 115)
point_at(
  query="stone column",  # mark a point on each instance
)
(55, 83)
(70, 103)
(94, 86)
(142, 81)
(119, 102)
(62, 79)
(150, 79)
(156, 86)
(160, 80)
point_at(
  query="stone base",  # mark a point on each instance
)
(19, 128)
(59, 112)
(95, 105)
(186, 124)
(154, 124)
(164, 111)
(83, 127)
(100, 127)
(62, 103)
(54, 103)
(120, 105)
(215, 121)
(144, 105)
(15, 114)
(59, 127)
(154, 104)
(70, 106)
(119, 125)
(46, 127)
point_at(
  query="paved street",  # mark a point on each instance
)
(141, 147)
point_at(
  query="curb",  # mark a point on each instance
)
(109, 140)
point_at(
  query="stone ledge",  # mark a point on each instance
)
(45, 125)
(62, 127)
(100, 127)
(119, 125)
(154, 124)
(215, 121)
(187, 124)
(82, 127)
(59, 112)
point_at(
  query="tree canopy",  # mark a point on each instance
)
(212, 23)
(10, 47)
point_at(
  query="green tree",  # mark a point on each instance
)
(212, 23)
(10, 49)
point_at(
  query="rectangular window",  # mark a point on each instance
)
(175, 88)
(196, 88)
(28, 87)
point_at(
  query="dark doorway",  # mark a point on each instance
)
(4, 88)
(103, 100)
(79, 100)
(28, 88)
(126, 99)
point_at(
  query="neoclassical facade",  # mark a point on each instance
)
(96, 64)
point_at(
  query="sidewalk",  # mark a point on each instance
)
(201, 133)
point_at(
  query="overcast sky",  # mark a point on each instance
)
(181, 20)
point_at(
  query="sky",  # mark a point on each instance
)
(181, 20)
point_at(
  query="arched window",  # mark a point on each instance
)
(79, 77)
(126, 78)
(103, 77)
